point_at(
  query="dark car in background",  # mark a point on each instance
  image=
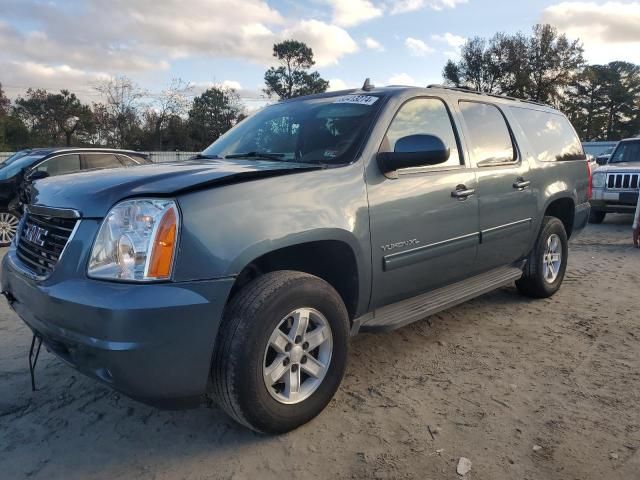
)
(17, 171)
(599, 150)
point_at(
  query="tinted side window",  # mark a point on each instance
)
(100, 160)
(60, 165)
(489, 137)
(426, 116)
(550, 134)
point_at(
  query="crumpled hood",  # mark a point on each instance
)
(93, 193)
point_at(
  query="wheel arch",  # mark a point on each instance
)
(563, 207)
(335, 260)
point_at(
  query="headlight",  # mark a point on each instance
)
(598, 180)
(137, 241)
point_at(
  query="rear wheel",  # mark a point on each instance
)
(547, 261)
(597, 216)
(281, 351)
(8, 227)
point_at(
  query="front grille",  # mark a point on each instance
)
(41, 241)
(623, 181)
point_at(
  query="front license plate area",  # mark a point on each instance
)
(629, 198)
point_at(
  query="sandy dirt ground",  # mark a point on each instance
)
(488, 381)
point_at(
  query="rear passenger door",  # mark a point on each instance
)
(506, 200)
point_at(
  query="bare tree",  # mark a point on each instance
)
(121, 109)
(171, 102)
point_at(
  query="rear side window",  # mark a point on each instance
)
(100, 160)
(489, 137)
(550, 135)
(422, 116)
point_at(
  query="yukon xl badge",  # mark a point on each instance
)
(35, 234)
(406, 243)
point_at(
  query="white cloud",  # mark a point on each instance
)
(402, 79)
(417, 47)
(17, 77)
(373, 44)
(455, 41)
(608, 30)
(233, 84)
(337, 84)
(133, 36)
(352, 12)
(404, 6)
(329, 42)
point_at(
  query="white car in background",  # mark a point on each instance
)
(616, 183)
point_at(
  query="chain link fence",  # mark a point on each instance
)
(157, 157)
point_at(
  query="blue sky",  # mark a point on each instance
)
(74, 43)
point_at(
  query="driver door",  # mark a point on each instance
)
(424, 235)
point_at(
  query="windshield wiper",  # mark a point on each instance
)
(266, 155)
(203, 155)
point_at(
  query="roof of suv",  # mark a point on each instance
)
(393, 90)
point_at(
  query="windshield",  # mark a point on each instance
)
(12, 157)
(626, 152)
(17, 162)
(597, 150)
(325, 130)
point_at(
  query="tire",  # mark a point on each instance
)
(8, 226)
(597, 216)
(243, 351)
(536, 281)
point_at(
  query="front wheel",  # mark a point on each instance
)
(547, 262)
(597, 216)
(281, 351)
(8, 227)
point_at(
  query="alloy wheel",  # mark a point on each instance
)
(297, 356)
(8, 227)
(552, 258)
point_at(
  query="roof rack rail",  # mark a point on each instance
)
(478, 92)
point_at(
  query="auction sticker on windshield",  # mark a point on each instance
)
(357, 99)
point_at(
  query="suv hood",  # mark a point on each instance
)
(619, 167)
(94, 193)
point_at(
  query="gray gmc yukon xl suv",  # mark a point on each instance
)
(242, 273)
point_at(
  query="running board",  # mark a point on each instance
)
(416, 308)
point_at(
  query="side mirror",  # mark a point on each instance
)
(414, 151)
(602, 159)
(37, 175)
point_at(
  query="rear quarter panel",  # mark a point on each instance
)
(551, 180)
(557, 180)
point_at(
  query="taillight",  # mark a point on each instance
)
(590, 173)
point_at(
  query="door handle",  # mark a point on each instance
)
(521, 184)
(462, 193)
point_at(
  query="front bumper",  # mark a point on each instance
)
(152, 342)
(614, 202)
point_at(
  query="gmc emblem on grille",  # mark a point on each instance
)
(35, 234)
